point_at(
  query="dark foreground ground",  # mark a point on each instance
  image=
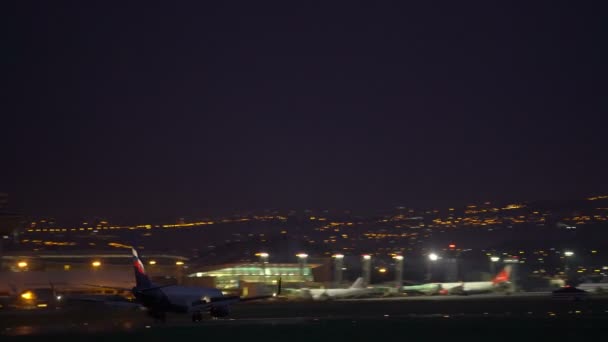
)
(495, 318)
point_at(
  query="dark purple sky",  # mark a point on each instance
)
(145, 111)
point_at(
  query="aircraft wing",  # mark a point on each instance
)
(109, 287)
(109, 300)
(129, 290)
(208, 302)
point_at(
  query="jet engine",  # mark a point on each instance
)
(219, 311)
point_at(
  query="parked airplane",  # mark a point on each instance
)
(598, 287)
(160, 299)
(356, 289)
(500, 282)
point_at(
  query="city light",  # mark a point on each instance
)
(27, 295)
(22, 264)
(366, 257)
(568, 253)
(494, 259)
(152, 262)
(96, 263)
(338, 256)
(382, 270)
(262, 254)
(398, 257)
(452, 246)
(433, 257)
(302, 255)
(179, 263)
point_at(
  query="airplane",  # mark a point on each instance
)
(356, 289)
(160, 299)
(500, 282)
(598, 287)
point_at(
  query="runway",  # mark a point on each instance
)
(415, 316)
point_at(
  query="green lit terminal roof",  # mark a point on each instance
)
(250, 269)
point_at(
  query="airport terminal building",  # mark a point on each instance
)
(70, 271)
(233, 276)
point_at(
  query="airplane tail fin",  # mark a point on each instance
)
(503, 276)
(358, 284)
(14, 290)
(141, 278)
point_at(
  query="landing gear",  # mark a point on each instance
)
(197, 316)
(159, 316)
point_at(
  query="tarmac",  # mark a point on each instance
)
(454, 318)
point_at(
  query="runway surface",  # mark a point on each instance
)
(450, 317)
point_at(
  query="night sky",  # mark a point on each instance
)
(142, 111)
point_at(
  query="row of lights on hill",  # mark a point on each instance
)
(151, 262)
(22, 265)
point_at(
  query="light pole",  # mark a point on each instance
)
(179, 274)
(338, 265)
(263, 261)
(432, 259)
(398, 270)
(302, 261)
(568, 255)
(493, 260)
(366, 259)
(96, 264)
(22, 265)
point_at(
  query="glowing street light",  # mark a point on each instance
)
(367, 268)
(96, 264)
(338, 265)
(27, 295)
(263, 257)
(262, 254)
(398, 270)
(493, 260)
(302, 261)
(263, 260)
(152, 262)
(433, 257)
(179, 263)
(22, 264)
(568, 254)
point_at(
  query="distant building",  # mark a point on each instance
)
(233, 276)
(69, 271)
(9, 223)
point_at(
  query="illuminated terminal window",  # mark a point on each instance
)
(229, 276)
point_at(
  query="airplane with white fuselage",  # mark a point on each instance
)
(355, 290)
(193, 300)
(500, 282)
